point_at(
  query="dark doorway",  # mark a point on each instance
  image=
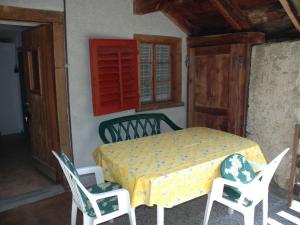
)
(22, 179)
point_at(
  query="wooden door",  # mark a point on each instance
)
(217, 87)
(40, 96)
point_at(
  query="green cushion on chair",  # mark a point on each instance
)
(106, 205)
(69, 164)
(236, 168)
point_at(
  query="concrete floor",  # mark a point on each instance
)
(18, 176)
(56, 211)
(17, 173)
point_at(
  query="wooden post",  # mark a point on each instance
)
(294, 162)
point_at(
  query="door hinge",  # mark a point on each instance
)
(187, 62)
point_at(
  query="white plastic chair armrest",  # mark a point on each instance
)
(96, 170)
(257, 166)
(95, 197)
(219, 181)
(218, 187)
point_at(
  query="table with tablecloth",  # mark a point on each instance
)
(173, 167)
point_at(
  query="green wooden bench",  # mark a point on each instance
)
(134, 126)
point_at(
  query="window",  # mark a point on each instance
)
(33, 58)
(159, 71)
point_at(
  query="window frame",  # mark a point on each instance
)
(175, 44)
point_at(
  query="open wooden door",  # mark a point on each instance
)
(40, 96)
(218, 87)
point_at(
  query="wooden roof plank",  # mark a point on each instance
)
(141, 7)
(233, 14)
(291, 13)
(183, 24)
(230, 38)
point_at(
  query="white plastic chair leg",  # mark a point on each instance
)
(249, 217)
(131, 215)
(73, 213)
(265, 209)
(87, 220)
(208, 208)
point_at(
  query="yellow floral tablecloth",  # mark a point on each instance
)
(171, 168)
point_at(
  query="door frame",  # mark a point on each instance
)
(57, 22)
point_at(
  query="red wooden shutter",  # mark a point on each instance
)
(114, 75)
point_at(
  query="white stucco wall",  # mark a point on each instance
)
(11, 117)
(274, 100)
(106, 19)
(56, 5)
(101, 19)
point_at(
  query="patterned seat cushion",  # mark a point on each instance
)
(106, 205)
(236, 168)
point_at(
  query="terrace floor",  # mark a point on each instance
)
(56, 211)
(20, 181)
(17, 172)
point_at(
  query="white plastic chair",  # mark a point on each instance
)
(79, 192)
(251, 193)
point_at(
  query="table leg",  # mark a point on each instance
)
(160, 215)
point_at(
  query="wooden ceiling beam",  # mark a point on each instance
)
(233, 14)
(141, 7)
(291, 12)
(182, 23)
